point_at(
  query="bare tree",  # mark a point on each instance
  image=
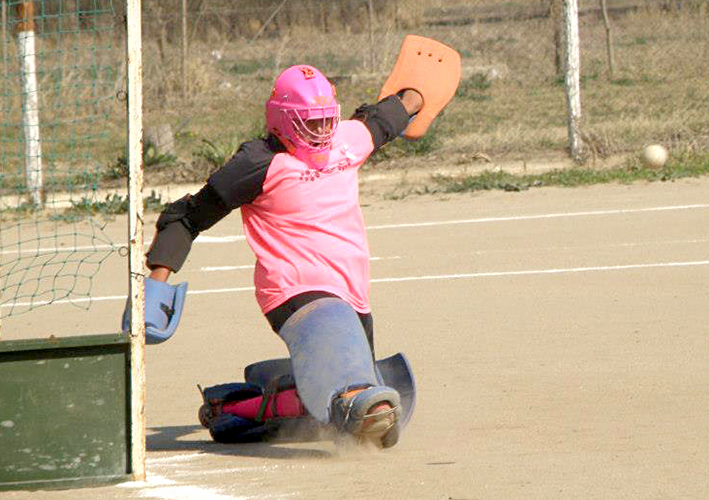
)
(555, 15)
(609, 39)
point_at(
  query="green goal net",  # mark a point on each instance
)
(62, 121)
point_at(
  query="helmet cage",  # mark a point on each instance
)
(308, 136)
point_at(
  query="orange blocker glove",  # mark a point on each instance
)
(430, 68)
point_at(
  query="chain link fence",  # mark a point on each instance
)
(209, 69)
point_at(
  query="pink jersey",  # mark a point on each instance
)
(306, 227)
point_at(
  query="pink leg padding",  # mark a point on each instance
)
(287, 405)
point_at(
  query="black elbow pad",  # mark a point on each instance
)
(385, 120)
(197, 213)
(180, 223)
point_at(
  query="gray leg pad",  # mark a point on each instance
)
(329, 354)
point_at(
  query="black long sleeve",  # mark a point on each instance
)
(238, 182)
(385, 120)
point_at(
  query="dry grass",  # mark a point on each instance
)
(658, 93)
(511, 102)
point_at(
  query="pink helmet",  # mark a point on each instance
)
(303, 112)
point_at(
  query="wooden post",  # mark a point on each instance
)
(30, 101)
(572, 78)
(555, 9)
(370, 10)
(609, 40)
(135, 237)
(4, 37)
(184, 49)
(268, 21)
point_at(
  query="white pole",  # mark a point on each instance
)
(30, 101)
(135, 237)
(572, 78)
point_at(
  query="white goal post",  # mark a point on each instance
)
(135, 236)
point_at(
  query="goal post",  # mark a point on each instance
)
(135, 237)
(94, 384)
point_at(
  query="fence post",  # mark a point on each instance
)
(555, 9)
(609, 39)
(4, 37)
(370, 10)
(30, 101)
(184, 49)
(135, 237)
(268, 21)
(572, 78)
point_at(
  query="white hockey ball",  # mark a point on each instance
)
(654, 156)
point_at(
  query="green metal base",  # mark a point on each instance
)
(64, 412)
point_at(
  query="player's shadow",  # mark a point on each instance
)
(196, 437)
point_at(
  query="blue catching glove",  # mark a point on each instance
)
(163, 309)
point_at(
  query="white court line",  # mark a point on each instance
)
(51, 250)
(491, 274)
(600, 246)
(543, 216)
(150, 480)
(222, 268)
(485, 252)
(188, 492)
(233, 238)
(544, 271)
(174, 458)
(115, 247)
(251, 266)
(164, 488)
(219, 239)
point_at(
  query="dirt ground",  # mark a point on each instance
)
(558, 337)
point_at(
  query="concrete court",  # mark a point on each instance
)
(559, 339)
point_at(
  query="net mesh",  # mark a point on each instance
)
(60, 76)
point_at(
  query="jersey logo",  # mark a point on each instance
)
(311, 174)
